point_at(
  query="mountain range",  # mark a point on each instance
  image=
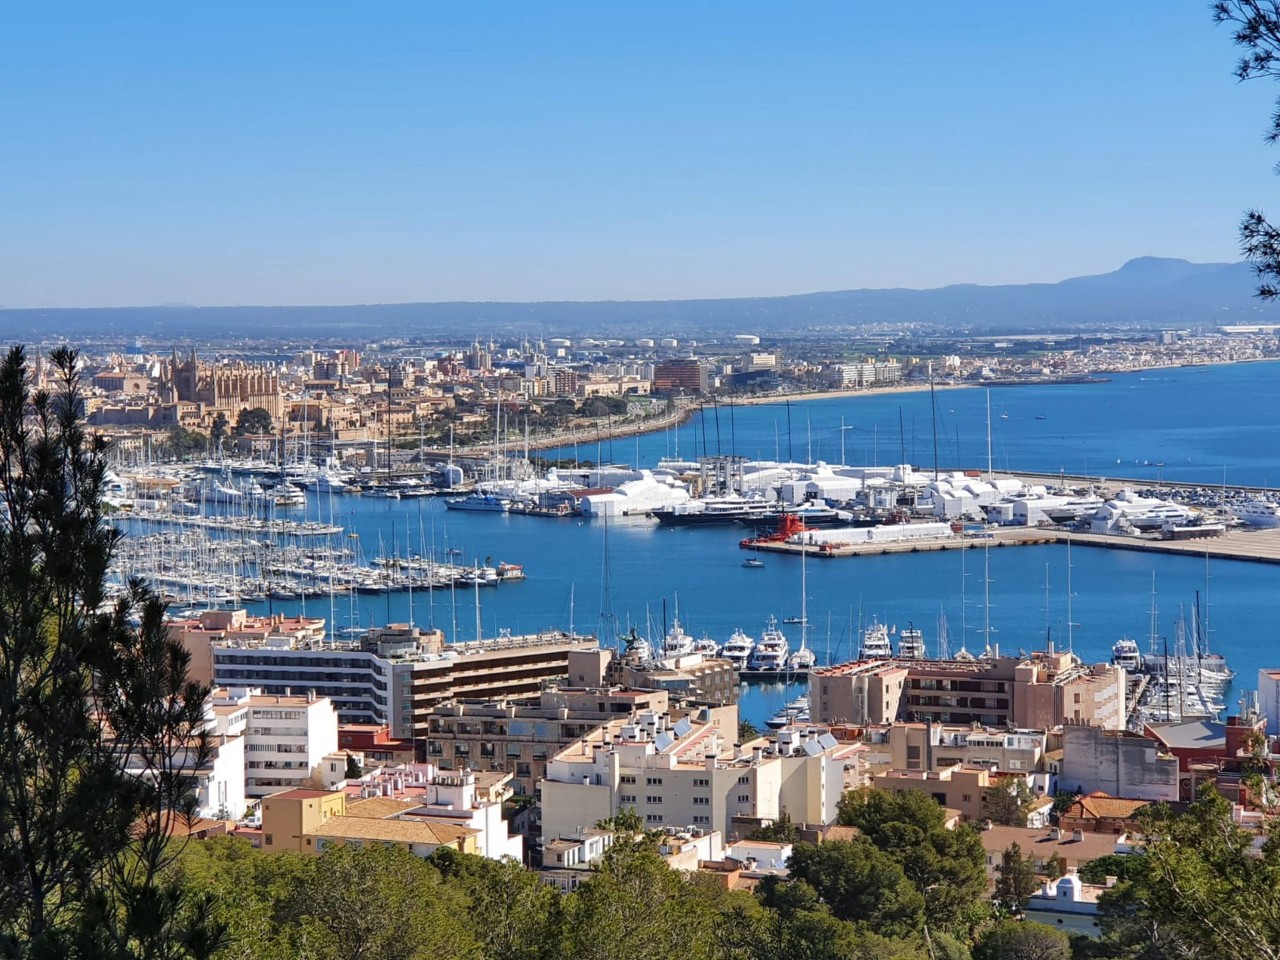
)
(1144, 292)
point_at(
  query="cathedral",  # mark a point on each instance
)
(223, 388)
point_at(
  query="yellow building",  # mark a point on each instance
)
(312, 821)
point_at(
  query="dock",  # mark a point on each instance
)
(1251, 546)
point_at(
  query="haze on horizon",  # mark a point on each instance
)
(329, 154)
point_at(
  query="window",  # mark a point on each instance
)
(1077, 698)
(626, 798)
(654, 781)
(744, 798)
(701, 783)
(653, 818)
(702, 801)
(627, 778)
(743, 781)
(966, 798)
(269, 839)
(652, 799)
(698, 819)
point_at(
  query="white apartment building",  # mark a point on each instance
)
(286, 738)
(688, 774)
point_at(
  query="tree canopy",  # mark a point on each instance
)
(255, 420)
(100, 728)
(1256, 26)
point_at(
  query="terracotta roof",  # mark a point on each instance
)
(838, 832)
(1102, 806)
(415, 830)
(298, 793)
(379, 808)
(1040, 844)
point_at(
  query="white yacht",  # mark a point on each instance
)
(803, 659)
(911, 644)
(875, 643)
(737, 649)
(482, 502)
(285, 494)
(1258, 513)
(1125, 653)
(771, 651)
(677, 643)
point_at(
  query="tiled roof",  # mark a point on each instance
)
(415, 830)
(1102, 806)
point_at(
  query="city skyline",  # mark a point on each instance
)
(323, 155)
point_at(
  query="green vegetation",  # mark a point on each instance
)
(1015, 881)
(1008, 803)
(85, 845)
(255, 421)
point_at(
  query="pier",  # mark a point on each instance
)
(1252, 546)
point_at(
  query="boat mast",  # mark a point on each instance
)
(933, 410)
(989, 472)
(1071, 626)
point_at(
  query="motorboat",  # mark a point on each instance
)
(1258, 513)
(771, 651)
(737, 649)
(1125, 653)
(797, 711)
(753, 563)
(911, 644)
(479, 502)
(875, 643)
(677, 643)
(713, 511)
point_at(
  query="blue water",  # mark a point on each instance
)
(1191, 424)
(1196, 422)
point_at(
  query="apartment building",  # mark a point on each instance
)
(395, 674)
(1118, 763)
(688, 773)
(518, 736)
(956, 788)
(286, 738)
(1034, 692)
(935, 746)
(418, 808)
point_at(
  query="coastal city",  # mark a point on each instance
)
(640, 482)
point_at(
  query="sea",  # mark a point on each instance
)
(1200, 426)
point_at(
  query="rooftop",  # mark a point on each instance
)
(415, 830)
(1103, 806)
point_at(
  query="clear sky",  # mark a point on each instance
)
(311, 152)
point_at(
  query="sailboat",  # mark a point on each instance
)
(802, 658)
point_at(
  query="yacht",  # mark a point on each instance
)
(797, 711)
(1258, 513)
(737, 649)
(285, 494)
(771, 651)
(677, 643)
(753, 563)
(714, 510)
(911, 644)
(706, 646)
(1125, 653)
(481, 502)
(1154, 518)
(875, 643)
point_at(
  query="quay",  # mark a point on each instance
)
(1253, 546)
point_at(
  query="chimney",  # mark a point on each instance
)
(757, 754)
(1077, 836)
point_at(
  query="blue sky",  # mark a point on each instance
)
(311, 152)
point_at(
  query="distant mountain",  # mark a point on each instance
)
(1146, 292)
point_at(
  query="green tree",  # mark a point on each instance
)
(218, 430)
(1015, 881)
(860, 883)
(353, 771)
(1020, 940)
(634, 907)
(625, 820)
(747, 731)
(1256, 25)
(512, 914)
(256, 420)
(1203, 890)
(183, 443)
(1122, 866)
(947, 866)
(1007, 802)
(377, 902)
(781, 830)
(100, 728)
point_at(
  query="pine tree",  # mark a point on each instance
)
(1016, 880)
(88, 702)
